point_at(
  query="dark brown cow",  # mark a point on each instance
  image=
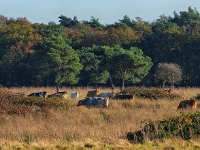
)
(192, 104)
(124, 97)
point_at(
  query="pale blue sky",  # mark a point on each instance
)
(108, 11)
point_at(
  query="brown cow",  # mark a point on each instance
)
(93, 93)
(192, 104)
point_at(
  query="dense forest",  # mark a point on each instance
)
(83, 53)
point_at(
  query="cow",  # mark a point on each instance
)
(124, 97)
(192, 104)
(59, 95)
(94, 102)
(93, 93)
(168, 91)
(106, 95)
(39, 94)
(74, 95)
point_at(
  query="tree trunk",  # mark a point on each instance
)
(172, 84)
(57, 88)
(122, 86)
(111, 83)
(163, 85)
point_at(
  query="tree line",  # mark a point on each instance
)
(83, 53)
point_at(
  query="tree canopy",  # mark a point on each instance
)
(29, 52)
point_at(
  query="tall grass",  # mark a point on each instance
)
(80, 123)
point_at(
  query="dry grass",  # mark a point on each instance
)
(80, 124)
(168, 144)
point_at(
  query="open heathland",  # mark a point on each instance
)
(37, 122)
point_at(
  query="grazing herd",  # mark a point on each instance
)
(96, 99)
(64, 95)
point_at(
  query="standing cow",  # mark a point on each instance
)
(192, 104)
(93, 93)
(94, 102)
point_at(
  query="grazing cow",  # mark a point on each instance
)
(59, 95)
(39, 94)
(106, 95)
(94, 102)
(92, 93)
(192, 104)
(124, 97)
(74, 95)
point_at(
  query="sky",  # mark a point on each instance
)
(107, 11)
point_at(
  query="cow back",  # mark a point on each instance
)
(106, 95)
(124, 97)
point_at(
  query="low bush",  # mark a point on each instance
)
(18, 104)
(150, 93)
(183, 126)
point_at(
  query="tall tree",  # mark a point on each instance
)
(18, 40)
(168, 73)
(64, 61)
(67, 21)
(95, 61)
(130, 65)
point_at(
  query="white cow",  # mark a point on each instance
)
(74, 95)
(106, 95)
(94, 102)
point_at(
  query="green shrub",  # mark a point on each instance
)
(150, 93)
(88, 145)
(184, 126)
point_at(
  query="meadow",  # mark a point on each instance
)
(60, 124)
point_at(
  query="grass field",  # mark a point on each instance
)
(95, 128)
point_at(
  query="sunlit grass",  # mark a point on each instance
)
(98, 128)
